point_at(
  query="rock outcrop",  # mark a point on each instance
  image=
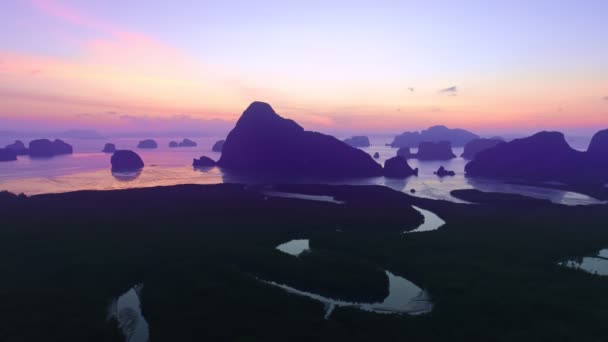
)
(404, 152)
(358, 141)
(456, 136)
(428, 150)
(109, 148)
(183, 143)
(203, 162)
(397, 167)
(188, 143)
(473, 147)
(126, 161)
(442, 172)
(18, 147)
(7, 155)
(148, 143)
(262, 142)
(47, 148)
(218, 146)
(376, 155)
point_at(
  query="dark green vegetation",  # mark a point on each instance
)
(491, 270)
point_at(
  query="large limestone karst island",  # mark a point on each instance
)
(544, 156)
(262, 142)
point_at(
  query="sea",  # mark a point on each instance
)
(89, 169)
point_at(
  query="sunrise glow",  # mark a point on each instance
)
(490, 67)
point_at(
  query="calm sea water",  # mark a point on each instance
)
(89, 169)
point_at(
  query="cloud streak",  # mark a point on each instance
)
(450, 91)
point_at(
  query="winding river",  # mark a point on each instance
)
(431, 221)
(404, 296)
(597, 264)
(126, 310)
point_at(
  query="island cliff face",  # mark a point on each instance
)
(47, 148)
(126, 161)
(544, 156)
(18, 147)
(597, 155)
(262, 142)
(598, 147)
(109, 148)
(218, 146)
(397, 167)
(358, 141)
(428, 150)
(203, 162)
(473, 147)
(148, 143)
(7, 155)
(456, 136)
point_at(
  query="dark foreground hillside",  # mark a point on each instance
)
(200, 251)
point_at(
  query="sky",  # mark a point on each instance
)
(333, 66)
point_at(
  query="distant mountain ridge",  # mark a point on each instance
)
(456, 136)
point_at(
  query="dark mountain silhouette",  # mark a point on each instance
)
(203, 162)
(544, 156)
(173, 144)
(218, 146)
(358, 141)
(46, 148)
(397, 167)
(262, 142)
(18, 147)
(599, 144)
(456, 136)
(125, 161)
(597, 154)
(109, 148)
(7, 155)
(428, 150)
(477, 145)
(148, 143)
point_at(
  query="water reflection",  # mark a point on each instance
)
(126, 310)
(126, 176)
(203, 168)
(104, 180)
(397, 184)
(86, 170)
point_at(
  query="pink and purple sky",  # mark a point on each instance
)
(360, 66)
